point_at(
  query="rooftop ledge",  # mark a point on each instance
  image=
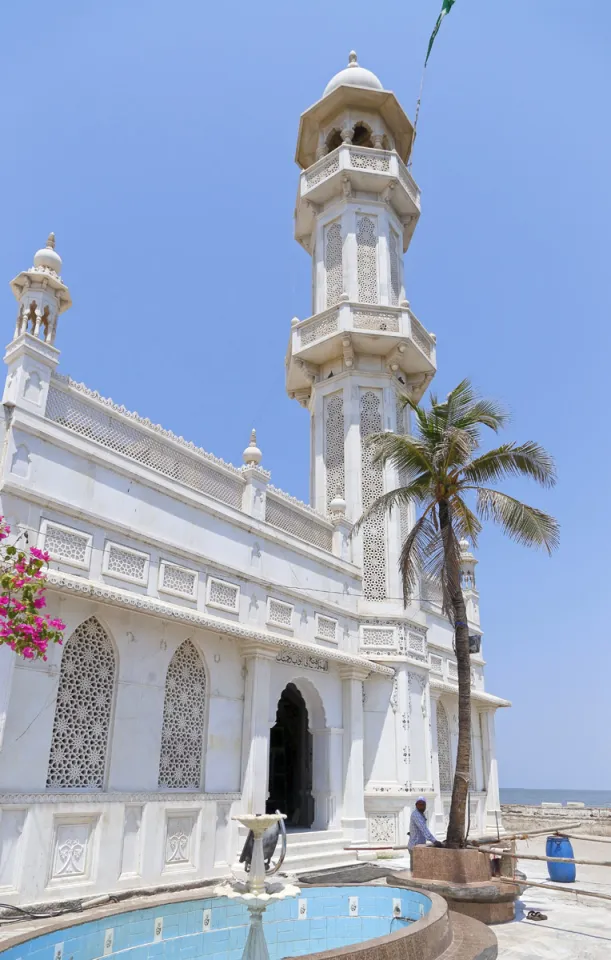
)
(304, 654)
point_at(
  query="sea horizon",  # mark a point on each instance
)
(533, 796)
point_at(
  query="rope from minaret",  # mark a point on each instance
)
(411, 152)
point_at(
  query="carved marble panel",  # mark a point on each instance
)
(72, 849)
(179, 844)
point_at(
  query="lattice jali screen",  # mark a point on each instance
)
(125, 564)
(416, 643)
(223, 594)
(334, 264)
(379, 637)
(409, 183)
(180, 762)
(176, 579)
(436, 664)
(65, 545)
(324, 169)
(376, 321)
(82, 712)
(326, 628)
(317, 329)
(452, 670)
(334, 446)
(374, 528)
(421, 337)
(287, 518)
(395, 270)
(88, 420)
(280, 613)
(362, 160)
(443, 749)
(367, 260)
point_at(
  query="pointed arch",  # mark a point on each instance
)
(443, 749)
(85, 695)
(182, 732)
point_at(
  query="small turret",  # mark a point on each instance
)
(41, 294)
(31, 355)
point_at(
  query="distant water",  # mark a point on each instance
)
(591, 798)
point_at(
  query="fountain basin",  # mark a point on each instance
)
(321, 919)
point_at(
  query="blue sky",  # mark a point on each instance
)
(157, 141)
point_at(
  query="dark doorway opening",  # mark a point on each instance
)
(290, 760)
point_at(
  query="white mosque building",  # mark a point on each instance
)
(228, 646)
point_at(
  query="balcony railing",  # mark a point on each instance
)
(347, 157)
(379, 318)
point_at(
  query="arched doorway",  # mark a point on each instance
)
(291, 760)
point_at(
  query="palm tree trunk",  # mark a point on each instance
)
(457, 822)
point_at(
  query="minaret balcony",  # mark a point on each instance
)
(349, 329)
(366, 169)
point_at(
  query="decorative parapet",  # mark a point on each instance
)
(347, 317)
(291, 515)
(73, 385)
(99, 419)
(385, 164)
(102, 593)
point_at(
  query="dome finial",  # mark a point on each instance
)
(47, 257)
(252, 455)
(353, 76)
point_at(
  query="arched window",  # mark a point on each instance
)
(334, 140)
(443, 749)
(182, 734)
(361, 135)
(82, 713)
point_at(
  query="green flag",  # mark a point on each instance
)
(447, 6)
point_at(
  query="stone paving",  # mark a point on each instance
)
(577, 928)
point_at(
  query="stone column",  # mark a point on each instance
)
(255, 727)
(493, 800)
(335, 755)
(7, 667)
(354, 822)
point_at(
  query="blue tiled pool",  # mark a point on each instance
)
(321, 918)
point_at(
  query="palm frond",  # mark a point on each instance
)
(524, 524)
(466, 523)
(418, 546)
(406, 453)
(512, 459)
(464, 409)
(406, 495)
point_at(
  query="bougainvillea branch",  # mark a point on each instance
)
(23, 627)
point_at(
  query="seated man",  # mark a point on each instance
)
(419, 832)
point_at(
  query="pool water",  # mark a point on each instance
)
(321, 918)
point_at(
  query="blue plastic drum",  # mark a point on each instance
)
(560, 872)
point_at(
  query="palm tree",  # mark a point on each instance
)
(442, 471)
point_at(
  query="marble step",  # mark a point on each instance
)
(316, 849)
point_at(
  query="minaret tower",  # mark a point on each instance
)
(362, 349)
(31, 356)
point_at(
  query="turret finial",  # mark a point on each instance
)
(352, 61)
(51, 241)
(252, 455)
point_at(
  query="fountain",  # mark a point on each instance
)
(255, 892)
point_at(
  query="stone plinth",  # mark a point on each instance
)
(456, 866)
(463, 879)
